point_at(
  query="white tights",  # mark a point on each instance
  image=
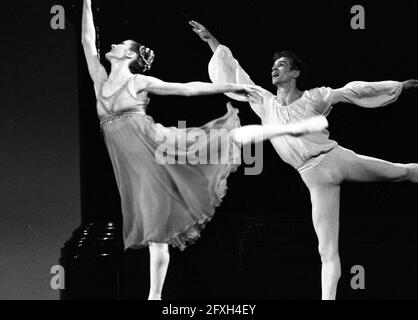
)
(324, 182)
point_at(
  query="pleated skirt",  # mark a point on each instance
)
(170, 179)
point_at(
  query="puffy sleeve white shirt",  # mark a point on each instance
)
(299, 152)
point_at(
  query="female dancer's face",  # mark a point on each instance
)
(120, 51)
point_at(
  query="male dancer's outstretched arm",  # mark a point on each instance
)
(372, 94)
(235, 74)
(361, 93)
(256, 133)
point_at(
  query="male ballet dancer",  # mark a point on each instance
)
(321, 162)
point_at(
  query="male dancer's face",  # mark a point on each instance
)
(120, 51)
(282, 72)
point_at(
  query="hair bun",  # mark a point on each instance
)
(147, 55)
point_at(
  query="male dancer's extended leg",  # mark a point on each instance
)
(159, 260)
(361, 168)
(324, 182)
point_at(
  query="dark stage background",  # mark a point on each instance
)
(261, 242)
(39, 170)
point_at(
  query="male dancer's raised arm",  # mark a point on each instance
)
(361, 93)
(227, 69)
(205, 35)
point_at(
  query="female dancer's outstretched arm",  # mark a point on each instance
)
(159, 87)
(88, 40)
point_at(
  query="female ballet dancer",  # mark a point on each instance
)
(169, 203)
(321, 162)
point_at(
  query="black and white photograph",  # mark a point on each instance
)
(226, 153)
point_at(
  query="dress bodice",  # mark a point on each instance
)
(125, 99)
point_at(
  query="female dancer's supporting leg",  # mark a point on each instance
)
(159, 260)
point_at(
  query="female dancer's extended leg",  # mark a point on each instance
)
(258, 133)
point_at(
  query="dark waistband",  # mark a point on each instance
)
(122, 114)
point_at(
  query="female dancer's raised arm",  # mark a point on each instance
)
(88, 40)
